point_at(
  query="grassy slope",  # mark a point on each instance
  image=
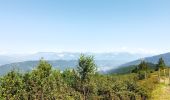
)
(162, 90)
(156, 90)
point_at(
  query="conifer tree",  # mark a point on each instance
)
(143, 67)
(160, 66)
(86, 68)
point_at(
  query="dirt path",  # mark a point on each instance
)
(162, 92)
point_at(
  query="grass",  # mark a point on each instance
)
(162, 89)
(159, 91)
(162, 92)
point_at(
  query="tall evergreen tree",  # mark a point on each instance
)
(142, 69)
(161, 64)
(143, 66)
(86, 68)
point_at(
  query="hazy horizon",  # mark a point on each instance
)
(85, 52)
(84, 26)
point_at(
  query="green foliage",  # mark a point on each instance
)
(142, 70)
(69, 76)
(148, 85)
(133, 68)
(141, 75)
(161, 64)
(143, 66)
(11, 86)
(86, 67)
(45, 83)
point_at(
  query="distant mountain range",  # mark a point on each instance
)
(29, 65)
(130, 65)
(105, 61)
(25, 66)
(121, 57)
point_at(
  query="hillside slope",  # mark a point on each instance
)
(153, 59)
(127, 67)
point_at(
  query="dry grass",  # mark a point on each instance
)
(162, 92)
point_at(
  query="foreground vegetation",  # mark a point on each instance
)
(82, 83)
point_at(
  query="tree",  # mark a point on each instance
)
(40, 77)
(142, 67)
(86, 68)
(160, 66)
(45, 83)
(69, 76)
(11, 86)
(135, 70)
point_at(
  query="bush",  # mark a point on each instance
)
(47, 83)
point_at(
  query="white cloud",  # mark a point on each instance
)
(138, 50)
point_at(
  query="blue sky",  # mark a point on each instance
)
(137, 26)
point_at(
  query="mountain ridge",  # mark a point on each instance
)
(121, 56)
(64, 60)
(152, 59)
(127, 67)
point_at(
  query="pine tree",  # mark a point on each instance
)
(86, 68)
(143, 67)
(161, 66)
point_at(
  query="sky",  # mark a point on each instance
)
(136, 26)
